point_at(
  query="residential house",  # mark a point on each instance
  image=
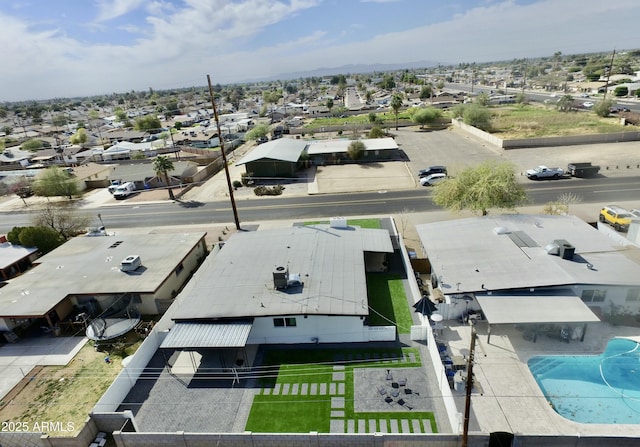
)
(521, 269)
(85, 275)
(15, 259)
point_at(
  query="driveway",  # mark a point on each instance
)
(18, 359)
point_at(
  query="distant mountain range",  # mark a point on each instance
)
(347, 69)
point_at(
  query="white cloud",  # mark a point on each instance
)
(111, 9)
(178, 47)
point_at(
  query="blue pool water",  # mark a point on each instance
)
(593, 389)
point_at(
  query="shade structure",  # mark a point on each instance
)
(425, 306)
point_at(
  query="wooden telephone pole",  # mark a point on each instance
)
(606, 87)
(467, 401)
(224, 156)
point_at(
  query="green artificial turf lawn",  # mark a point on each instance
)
(304, 413)
(289, 414)
(362, 223)
(388, 302)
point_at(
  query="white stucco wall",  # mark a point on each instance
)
(334, 329)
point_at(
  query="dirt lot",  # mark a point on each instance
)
(58, 394)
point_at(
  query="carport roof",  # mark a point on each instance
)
(208, 335)
(282, 149)
(535, 308)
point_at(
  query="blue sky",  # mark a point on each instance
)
(63, 48)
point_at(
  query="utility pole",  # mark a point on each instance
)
(467, 401)
(606, 87)
(224, 156)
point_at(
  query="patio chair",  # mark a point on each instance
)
(402, 381)
(382, 391)
(388, 400)
(402, 403)
(410, 391)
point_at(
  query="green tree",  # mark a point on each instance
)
(376, 132)
(565, 104)
(162, 166)
(480, 188)
(329, 104)
(425, 92)
(476, 116)
(356, 150)
(32, 145)
(396, 103)
(621, 90)
(55, 182)
(147, 123)
(45, 239)
(602, 108)
(373, 117)
(13, 236)
(482, 99)
(80, 137)
(121, 115)
(64, 220)
(426, 116)
(60, 120)
(259, 131)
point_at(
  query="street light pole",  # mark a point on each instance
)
(102, 223)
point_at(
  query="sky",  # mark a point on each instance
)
(69, 48)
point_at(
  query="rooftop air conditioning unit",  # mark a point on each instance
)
(280, 277)
(565, 249)
(338, 222)
(130, 263)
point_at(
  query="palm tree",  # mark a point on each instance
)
(396, 103)
(162, 165)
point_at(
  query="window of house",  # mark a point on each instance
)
(593, 295)
(633, 295)
(284, 322)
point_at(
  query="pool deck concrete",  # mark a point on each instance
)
(508, 398)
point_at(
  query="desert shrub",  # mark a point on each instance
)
(268, 190)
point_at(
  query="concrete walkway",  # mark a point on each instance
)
(18, 359)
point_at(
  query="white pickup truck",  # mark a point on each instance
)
(544, 172)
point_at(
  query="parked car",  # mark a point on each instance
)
(432, 179)
(544, 172)
(587, 104)
(262, 140)
(616, 216)
(432, 170)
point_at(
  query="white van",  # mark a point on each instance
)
(123, 191)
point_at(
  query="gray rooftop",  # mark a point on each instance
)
(342, 145)
(238, 281)
(283, 149)
(470, 256)
(10, 254)
(91, 266)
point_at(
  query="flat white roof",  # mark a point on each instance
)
(10, 254)
(341, 145)
(91, 265)
(471, 255)
(238, 280)
(282, 149)
(535, 308)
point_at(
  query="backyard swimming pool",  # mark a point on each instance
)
(593, 389)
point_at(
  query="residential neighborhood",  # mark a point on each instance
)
(509, 321)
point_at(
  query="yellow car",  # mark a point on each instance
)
(616, 216)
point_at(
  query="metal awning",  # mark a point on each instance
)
(208, 335)
(530, 308)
